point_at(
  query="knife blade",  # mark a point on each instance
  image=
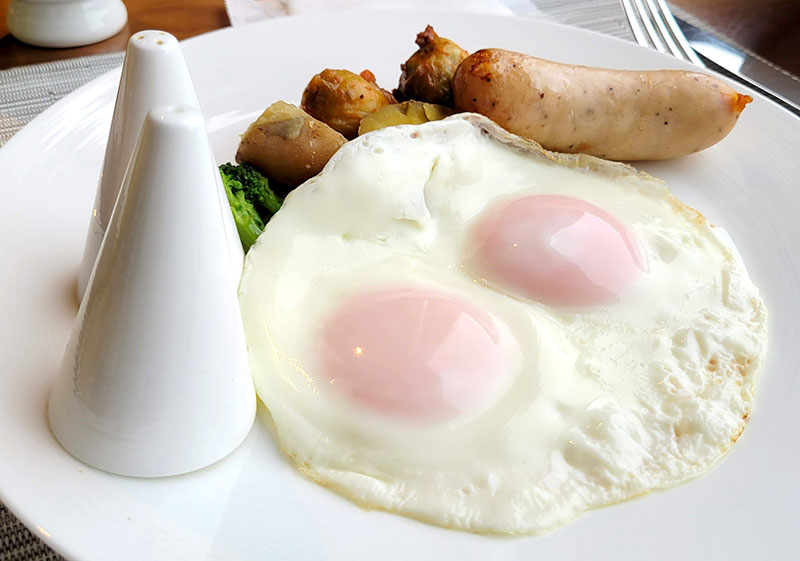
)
(776, 84)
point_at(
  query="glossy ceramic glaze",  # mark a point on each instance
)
(254, 504)
(65, 23)
(155, 379)
(153, 73)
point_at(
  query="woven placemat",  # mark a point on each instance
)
(603, 16)
(18, 544)
(27, 91)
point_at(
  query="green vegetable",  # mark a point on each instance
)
(254, 185)
(248, 222)
(252, 201)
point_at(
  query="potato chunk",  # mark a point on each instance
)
(406, 113)
(288, 145)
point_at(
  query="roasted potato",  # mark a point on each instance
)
(406, 113)
(341, 98)
(288, 145)
(427, 75)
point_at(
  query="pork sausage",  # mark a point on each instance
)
(614, 114)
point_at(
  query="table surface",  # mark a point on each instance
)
(770, 28)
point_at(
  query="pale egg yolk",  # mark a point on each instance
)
(556, 250)
(414, 352)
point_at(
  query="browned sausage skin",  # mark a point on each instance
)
(614, 114)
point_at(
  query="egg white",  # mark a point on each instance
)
(604, 403)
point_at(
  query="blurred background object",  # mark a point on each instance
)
(182, 18)
(70, 23)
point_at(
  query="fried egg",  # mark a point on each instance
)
(453, 324)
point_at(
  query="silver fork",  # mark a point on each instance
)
(653, 25)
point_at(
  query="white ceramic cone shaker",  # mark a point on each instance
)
(155, 379)
(154, 73)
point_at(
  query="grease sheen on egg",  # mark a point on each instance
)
(411, 362)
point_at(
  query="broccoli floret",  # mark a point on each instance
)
(255, 186)
(248, 222)
(252, 201)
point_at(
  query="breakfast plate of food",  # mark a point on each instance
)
(532, 322)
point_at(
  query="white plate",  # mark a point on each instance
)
(254, 505)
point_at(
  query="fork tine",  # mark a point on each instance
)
(665, 36)
(676, 32)
(647, 20)
(639, 33)
(663, 31)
